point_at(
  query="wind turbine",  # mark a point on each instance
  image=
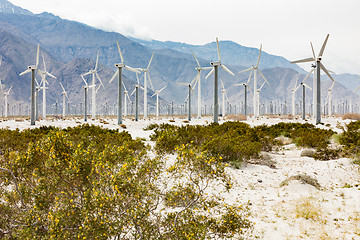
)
(157, 100)
(32, 69)
(118, 73)
(86, 87)
(215, 70)
(6, 101)
(304, 86)
(197, 81)
(136, 91)
(318, 67)
(95, 75)
(245, 95)
(64, 93)
(126, 93)
(258, 96)
(43, 74)
(146, 73)
(188, 97)
(293, 91)
(253, 70)
(224, 98)
(329, 98)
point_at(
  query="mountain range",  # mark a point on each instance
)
(70, 49)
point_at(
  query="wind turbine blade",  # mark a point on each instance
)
(222, 84)
(98, 77)
(154, 94)
(84, 80)
(307, 86)
(206, 68)
(246, 70)
(250, 76)
(311, 71)
(62, 87)
(9, 89)
(326, 71)
(133, 92)
(121, 56)
(218, 48)
(42, 55)
(137, 77)
(185, 84)
(312, 49)
(263, 76)
(162, 89)
(296, 81)
(37, 55)
(323, 46)
(196, 59)
(127, 95)
(125, 90)
(257, 64)
(332, 85)
(25, 72)
(357, 88)
(195, 78)
(37, 83)
(114, 76)
(152, 56)
(88, 73)
(148, 75)
(226, 69)
(262, 86)
(49, 74)
(212, 70)
(304, 60)
(131, 69)
(97, 60)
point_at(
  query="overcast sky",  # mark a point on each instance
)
(284, 27)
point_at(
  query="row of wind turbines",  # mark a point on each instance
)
(214, 68)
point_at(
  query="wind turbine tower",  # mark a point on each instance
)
(318, 67)
(215, 70)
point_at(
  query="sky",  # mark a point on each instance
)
(283, 27)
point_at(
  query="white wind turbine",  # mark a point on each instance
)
(252, 70)
(33, 69)
(258, 96)
(224, 99)
(293, 91)
(126, 97)
(304, 105)
(43, 74)
(95, 75)
(118, 73)
(64, 93)
(6, 101)
(188, 97)
(329, 97)
(146, 74)
(136, 91)
(157, 100)
(197, 81)
(318, 67)
(216, 74)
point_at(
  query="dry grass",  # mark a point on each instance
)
(308, 153)
(236, 117)
(308, 208)
(351, 116)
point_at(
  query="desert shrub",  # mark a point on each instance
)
(308, 208)
(304, 179)
(350, 138)
(68, 185)
(308, 153)
(325, 154)
(312, 138)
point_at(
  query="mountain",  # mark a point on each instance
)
(231, 53)
(70, 49)
(8, 7)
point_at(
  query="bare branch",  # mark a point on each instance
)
(16, 186)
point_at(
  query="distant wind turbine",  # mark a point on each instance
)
(197, 81)
(64, 93)
(43, 74)
(6, 101)
(215, 70)
(329, 97)
(252, 70)
(157, 100)
(95, 75)
(188, 97)
(224, 98)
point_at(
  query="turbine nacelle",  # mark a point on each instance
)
(214, 64)
(120, 65)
